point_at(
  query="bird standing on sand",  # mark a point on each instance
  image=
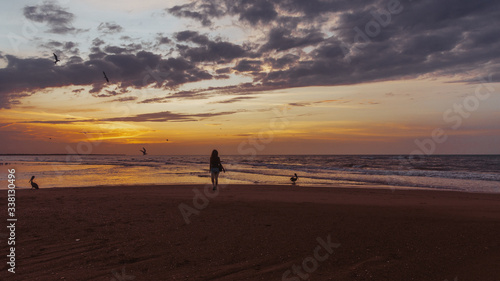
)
(294, 178)
(143, 151)
(33, 184)
(105, 77)
(56, 59)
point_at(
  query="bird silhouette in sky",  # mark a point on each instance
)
(55, 58)
(143, 151)
(105, 77)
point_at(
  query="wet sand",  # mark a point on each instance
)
(253, 233)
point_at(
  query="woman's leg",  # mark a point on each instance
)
(213, 179)
(216, 176)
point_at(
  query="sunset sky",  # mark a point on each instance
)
(264, 77)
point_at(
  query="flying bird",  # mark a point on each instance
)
(33, 184)
(105, 77)
(56, 59)
(143, 151)
(294, 178)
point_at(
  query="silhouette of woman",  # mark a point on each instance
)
(215, 168)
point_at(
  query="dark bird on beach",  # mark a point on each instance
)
(143, 151)
(33, 184)
(56, 59)
(105, 77)
(294, 178)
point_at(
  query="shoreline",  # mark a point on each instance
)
(476, 174)
(367, 186)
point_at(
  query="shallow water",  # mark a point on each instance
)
(475, 173)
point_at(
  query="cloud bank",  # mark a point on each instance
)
(305, 43)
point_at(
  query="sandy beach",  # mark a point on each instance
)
(253, 233)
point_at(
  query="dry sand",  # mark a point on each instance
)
(254, 233)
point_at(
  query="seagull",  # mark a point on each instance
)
(143, 151)
(105, 77)
(56, 59)
(294, 178)
(33, 184)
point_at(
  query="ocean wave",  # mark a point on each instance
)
(442, 172)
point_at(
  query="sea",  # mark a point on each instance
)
(469, 173)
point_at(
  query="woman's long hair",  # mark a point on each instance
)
(214, 155)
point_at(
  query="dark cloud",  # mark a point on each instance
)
(51, 45)
(124, 99)
(241, 89)
(161, 40)
(192, 94)
(455, 38)
(208, 50)
(248, 66)
(284, 61)
(205, 11)
(370, 40)
(109, 93)
(63, 50)
(23, 76)
(254, 12)
(236, 99)
(123, 49)
(133, 47)
(155, 100)
(74, 60)
(484, 37)
(69, 45)
(193, 36)
(299, 104)
(223, 70)
(280, 39)
(56, 121)
(56, 17)
(304, 43)
(259, 11)
(109, 28)
(302, 104)
(221, 52)
(167, 116)
(221, 76)
(97, 42)
(430, 44)
(114, 49)
(164, 116)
